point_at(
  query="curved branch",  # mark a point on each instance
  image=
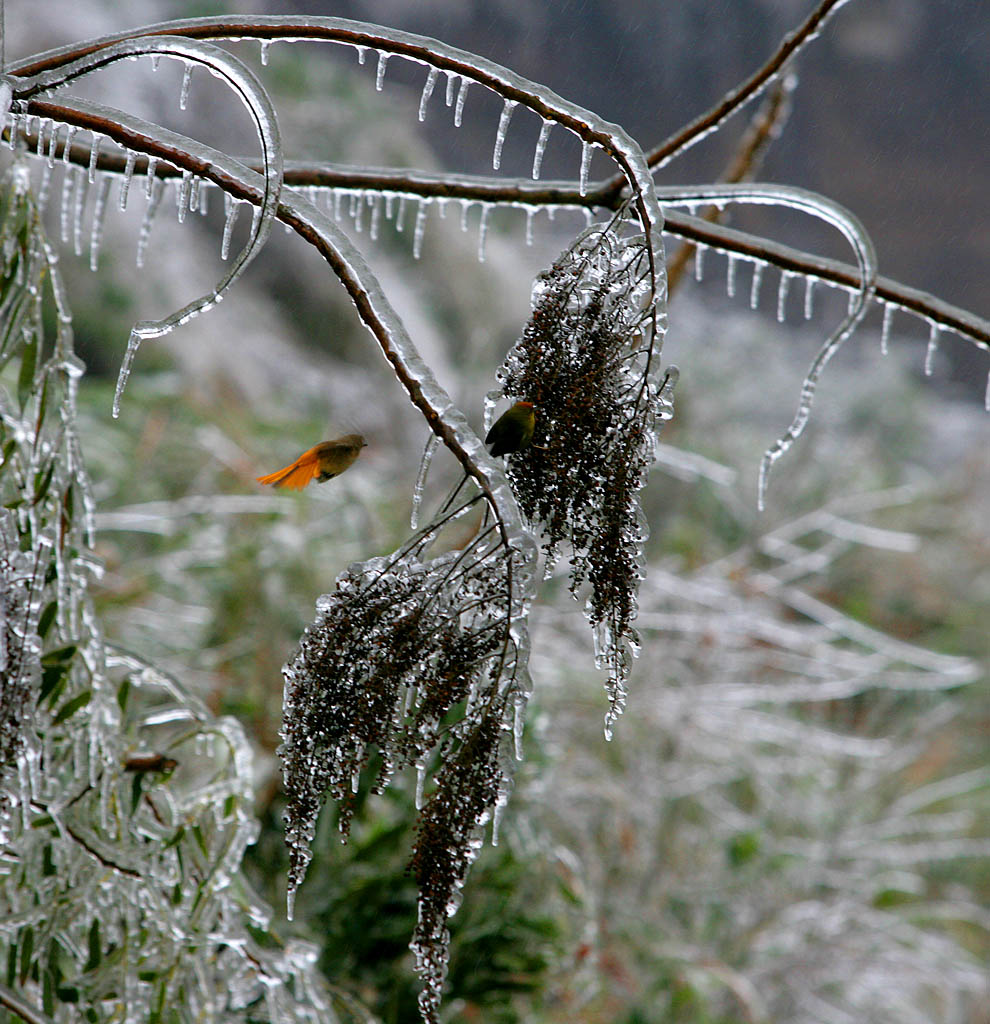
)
(315, 227)
(694, 131)
(524, 193)
(850, 226)
(251, 92)
(511, 87)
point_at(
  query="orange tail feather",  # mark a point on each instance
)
(296, 475)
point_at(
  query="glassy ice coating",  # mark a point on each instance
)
(866, 260)
(120, 883)
(244, 83)
(404, 656)
(586, 360)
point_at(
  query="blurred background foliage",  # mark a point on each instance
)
(618, 892)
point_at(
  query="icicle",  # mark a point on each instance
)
(420, 228)
(133, 343)
(754, 291)
(420, 783)
(449, 91)
(255, 220)
(541, 145)
(782, 289)
(99, 215)
(585, 166)
(401, 214)
(15, 118)
(809, 293)
(150, 176)
(184, 91)
(486, 209)
(376, 215)
(155, 61)
(503, 127)
(266, 45)
(154, 200)
(338, 202)
(530, 212)
(52, 144)
(182, 195)
(518, 721)
(465, 206)
(125, 182)
(357, 211)
(428, 86)
(44, 186)
(82, 194)
(204, 197)
(94, 155)
(194, 192)
(380, 74)
(933, 336)
(230, 210)
(699, 261)
(39, 149)
(888, 315)
(432, 443)
(730, 276)
(501, 802)
(70, 132)
(362, 53)
(461, 97)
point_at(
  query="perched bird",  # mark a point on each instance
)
(513, 430)
(323, 462)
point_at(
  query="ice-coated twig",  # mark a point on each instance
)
(247, 87)
(862, 246)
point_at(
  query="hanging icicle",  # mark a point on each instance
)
(231, 209)
(933, 339)
(585, 166)
(754, 291)
(541, 145)
(420, 228)
(428, 86)
(486, 209)
(99, 217)
(888, 315)
(184, 91)
(503, 126)
(461, 97)
(125, 181)
(783, 288)
(154, 201)
(380, 73)
(81, 189)
(94, 155)
(809, 295)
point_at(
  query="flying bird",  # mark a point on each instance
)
(322, 462)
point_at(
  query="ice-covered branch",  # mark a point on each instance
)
(866, 260)
(696, 130)
(457, 65)
(245, 84)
